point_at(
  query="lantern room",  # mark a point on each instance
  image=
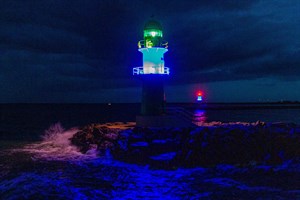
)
(152, 34)
(153, 49)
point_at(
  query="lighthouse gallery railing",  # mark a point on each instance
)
(140, 71)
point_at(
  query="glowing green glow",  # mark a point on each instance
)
(153, 49)
(153, 33)
(149, 44)
(152, 38)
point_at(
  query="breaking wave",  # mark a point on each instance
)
(55, 145)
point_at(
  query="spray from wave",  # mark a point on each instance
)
(56, 145)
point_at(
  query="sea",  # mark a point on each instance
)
(35, 165)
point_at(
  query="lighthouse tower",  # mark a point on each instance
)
(153, 72)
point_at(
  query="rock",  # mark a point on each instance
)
(235, 144)
(164, 157)
(89, 135)
(140, 144)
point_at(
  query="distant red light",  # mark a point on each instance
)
(199, 93)
(199, 96)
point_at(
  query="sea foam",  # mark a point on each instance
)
(55, 145)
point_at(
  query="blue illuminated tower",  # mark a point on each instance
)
(153, 72)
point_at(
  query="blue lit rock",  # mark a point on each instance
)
(140, 144)
(169, 148)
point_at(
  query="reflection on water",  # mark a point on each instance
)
(199, 115)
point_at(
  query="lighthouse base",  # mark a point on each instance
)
(153, 96)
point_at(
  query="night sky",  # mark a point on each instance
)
(54, 51)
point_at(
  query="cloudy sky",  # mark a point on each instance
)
(84, 50)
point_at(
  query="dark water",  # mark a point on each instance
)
(28, 121)
(50, 168)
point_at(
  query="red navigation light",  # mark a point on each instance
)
(199, 96)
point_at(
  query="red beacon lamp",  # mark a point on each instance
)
(199, 97)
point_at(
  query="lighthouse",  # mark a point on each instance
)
(152, 75)
(153, 72)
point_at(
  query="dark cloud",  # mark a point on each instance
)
(244, 44)
(54, 47)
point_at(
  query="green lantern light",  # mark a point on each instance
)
(153, 34)
(153, 49)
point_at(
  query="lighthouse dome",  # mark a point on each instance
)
(153, 34)
(152, 24)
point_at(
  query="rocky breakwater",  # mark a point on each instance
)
(207, 145)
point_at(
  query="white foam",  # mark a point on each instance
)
(56, 145)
